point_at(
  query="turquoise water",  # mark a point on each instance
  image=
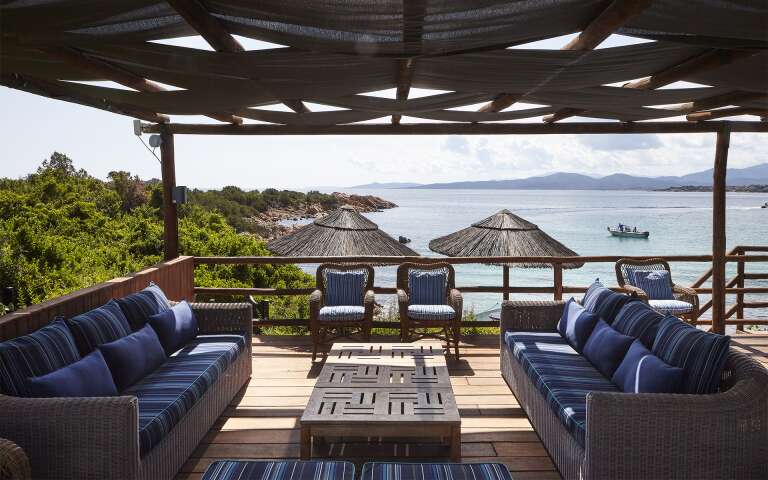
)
(680, 224)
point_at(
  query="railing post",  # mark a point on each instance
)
(740, 284)
(558, 274)
(718, 229)
(505, 282)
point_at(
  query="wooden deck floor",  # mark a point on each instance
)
(263, 421)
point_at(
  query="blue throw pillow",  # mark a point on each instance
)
(643, 372)
(175, 327)
(138, 307)
(100, 325)
(700, 354)
(604, 302)
(38, 353)
(344, 288)
(576, 324)
(88, 377)
(427, 287)
(162, 300)
(133, 357)
(638, 320)
(656, 284)
(605, 348)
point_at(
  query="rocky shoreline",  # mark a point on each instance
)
(708, 188)
(271, 224)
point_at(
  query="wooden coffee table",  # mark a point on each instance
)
(391, 390)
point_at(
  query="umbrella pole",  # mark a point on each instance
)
(506, 282)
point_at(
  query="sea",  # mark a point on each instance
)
(680, 223)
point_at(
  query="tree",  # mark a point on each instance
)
(130, 189)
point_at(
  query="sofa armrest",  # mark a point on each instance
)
(14, 464)
(94, 437)
(213, 318)
(722, 435)
(530, 315)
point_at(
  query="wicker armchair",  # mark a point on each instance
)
(450, 328)
(625, 267)
(14, 464)
(320, 323)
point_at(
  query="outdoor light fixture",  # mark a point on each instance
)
(179, 194)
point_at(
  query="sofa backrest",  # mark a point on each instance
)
(175, 277)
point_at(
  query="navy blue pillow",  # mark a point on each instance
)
(138, 307)
(100, 325)
(700, 354)
(576, 324)
(88, 377)
(48, 349)
(175, 327)
(604, 302)
(638, 320)
(133, 357)
(606, 348)
(643, 372)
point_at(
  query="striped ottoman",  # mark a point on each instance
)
(434, 471)
(279, 470)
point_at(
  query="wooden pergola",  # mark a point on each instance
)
(339, 53)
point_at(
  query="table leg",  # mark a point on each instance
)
(456, 443)
(306, 442)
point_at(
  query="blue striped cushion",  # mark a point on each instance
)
(562, 375)
(700, 354)
(138, 307)
(673, 307)
(656, 284)
(638, 320)
(100, 325)
(434, 471)
(431, 312)
(427, 287)
(39, 353)
(344, 288)
(162, 300)
(279, 470)
(168, 393)
(605, 302)
(342, 313)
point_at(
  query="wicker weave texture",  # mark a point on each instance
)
(14, 464)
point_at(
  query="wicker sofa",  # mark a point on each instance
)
(643, 436)
(98, 437)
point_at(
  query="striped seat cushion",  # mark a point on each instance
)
(341, 313)
(427, 287)
(431, 312)
(562, 375)
(279, 470)
(673, 307)
(168, 393)
(139, 306)
(434, 471)
(100, 325)
(344, 288)
(638, 320)
(605, 302)
(700, 354)
(39, 353)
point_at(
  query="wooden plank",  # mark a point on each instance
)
(718, 230)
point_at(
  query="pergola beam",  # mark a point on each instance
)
(413, 29)
(717, 101)
(108, 71)
(726, 112)
(609, 20)
(210, 28)
(404, 78)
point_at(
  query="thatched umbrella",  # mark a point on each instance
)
(504, 234)
(343, 233)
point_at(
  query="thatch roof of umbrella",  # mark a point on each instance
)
(343, 232)
(503, 234)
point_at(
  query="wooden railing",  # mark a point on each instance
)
(741, 255)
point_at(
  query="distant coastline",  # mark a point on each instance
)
(703, 188)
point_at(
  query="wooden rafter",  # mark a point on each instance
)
(717, 101)
(404, 78)
(61, 91)
(413, 29)
(108, 71)
(703, 62)
(609, 20)
(210, 28)
(726, 112)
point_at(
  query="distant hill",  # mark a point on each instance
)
(388, 185)
(757, 174)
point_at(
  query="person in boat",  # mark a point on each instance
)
(621, 227)
(634, 229)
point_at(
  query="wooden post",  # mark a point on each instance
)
(558, 270)
(718, 229)
(506, 282)
(170, 214)
(740, 296)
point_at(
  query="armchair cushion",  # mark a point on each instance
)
(671, 307)
(133, 357)
(175, 327)
(700, 354)
(638, 320)
(605, 302)
(643, 372)
(344, 288)
(434, 471)
(139, 306)
(576, 324)
(87, 377)
(342, 313)
(427, 287)
(100, 325)
(655, 283)
(48, 349)
(606, 348)
(431, 312)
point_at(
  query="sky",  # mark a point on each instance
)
(33, 127)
